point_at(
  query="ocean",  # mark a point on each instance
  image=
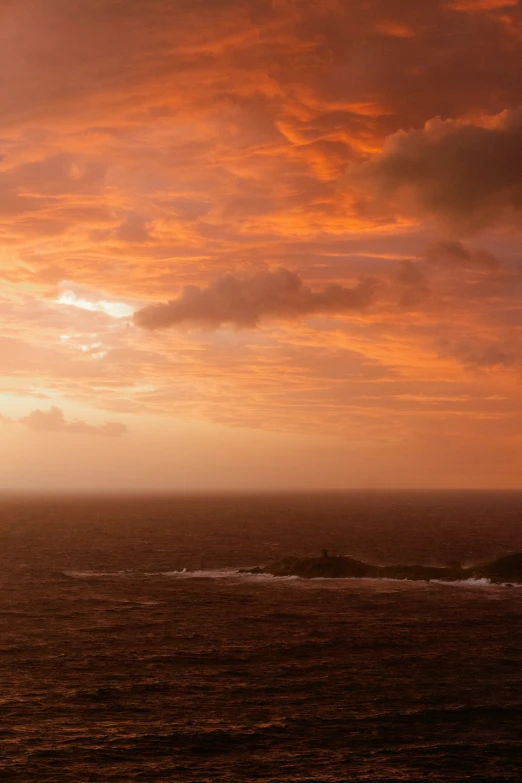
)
(131, 649)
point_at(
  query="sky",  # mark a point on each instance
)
(260, 244)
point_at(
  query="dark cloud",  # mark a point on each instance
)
(409, 274)
(468, 175)
(133, 229)
(456, 254)
(244, 302)
(53, 420)
(502, 353)
(412, 283)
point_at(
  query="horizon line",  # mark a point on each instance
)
(115, 492)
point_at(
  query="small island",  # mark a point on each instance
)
(504, 570)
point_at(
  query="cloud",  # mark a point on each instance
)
(413, 284)
(138, 170)
(53, 420)
(244, 302)
(164, 143)
(502, 353)
(455, 254)
(133, 229)
(466, 174)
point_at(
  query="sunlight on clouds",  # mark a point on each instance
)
(114, 309)
(300, 137)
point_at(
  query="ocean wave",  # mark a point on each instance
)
(213, 573)
(482, 582)
(225, 573)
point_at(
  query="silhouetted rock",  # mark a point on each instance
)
(423, 573)
(506, 569)
(325, 566)
(455, 565)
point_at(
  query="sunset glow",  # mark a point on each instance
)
(263, 244)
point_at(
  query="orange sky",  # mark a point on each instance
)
(260, 244)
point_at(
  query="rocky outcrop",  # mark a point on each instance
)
(314, 567)
(506, 569)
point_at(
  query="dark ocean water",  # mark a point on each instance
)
(116, 668)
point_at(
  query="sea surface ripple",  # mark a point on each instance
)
(119, 665)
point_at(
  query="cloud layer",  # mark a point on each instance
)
(175, 150)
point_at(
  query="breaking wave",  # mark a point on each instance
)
(213, 573)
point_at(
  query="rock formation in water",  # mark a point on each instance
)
(505, 569)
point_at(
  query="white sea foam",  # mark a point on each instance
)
(233, 573)
(483, 582)
(476, 583)
(270, 577)
(215, 573)
(223, 573)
